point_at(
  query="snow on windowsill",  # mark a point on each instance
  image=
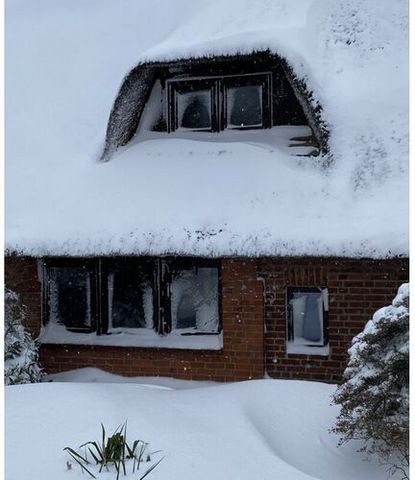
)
(144, 337)
(307, 350)
(281, 139)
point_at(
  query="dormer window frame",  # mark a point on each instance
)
(178, 87)
(292, 102)
(219, 87)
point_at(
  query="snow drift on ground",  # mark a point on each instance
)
(264, 429)
(65, 61)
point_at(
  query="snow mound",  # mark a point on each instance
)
(256, 429)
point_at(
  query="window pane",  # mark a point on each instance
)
(194, 299)
(130, 298)
(307, 318)
(194, 110)
(244, 106)
(70, 298)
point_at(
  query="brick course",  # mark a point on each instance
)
(21, 276)
(252, 290)
(357, 288)
(241, 358)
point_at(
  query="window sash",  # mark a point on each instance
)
(159, 273)
(195, 289)
(176, 88)
(138, 271)
(219, 88)
(292, 324)
(262, 80)
(88, 269)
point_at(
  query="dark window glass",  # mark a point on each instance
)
(130, 298)
(216, 103)
(111, 295)
(244, 106)
(70, 298)
(192, 105)
(194, 110)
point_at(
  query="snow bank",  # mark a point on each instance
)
(96, 375)
(258, 429)
(240, 196)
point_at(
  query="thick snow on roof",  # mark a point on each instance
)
(243, 194)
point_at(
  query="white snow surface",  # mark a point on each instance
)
(132, 337)
(261, 429)
(239, 194)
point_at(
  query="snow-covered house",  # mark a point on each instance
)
(237, 206)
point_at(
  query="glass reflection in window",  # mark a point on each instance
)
(194, 110)
(244, 106)
(194, 299)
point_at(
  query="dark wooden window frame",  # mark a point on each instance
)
(218, 86)
(184, 86)
(289, 295)
(87, 265)
(162, 270)
(263, 80)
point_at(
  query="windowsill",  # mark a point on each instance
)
(307, 350)
(141, 338)
(275, 139)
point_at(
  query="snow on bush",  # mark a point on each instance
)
(374, 398)
(21, 356)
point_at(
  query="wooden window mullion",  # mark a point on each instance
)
(165, 286)
(102, 296)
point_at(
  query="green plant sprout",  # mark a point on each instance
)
(114, 450)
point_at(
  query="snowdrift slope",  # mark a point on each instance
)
(266, 430)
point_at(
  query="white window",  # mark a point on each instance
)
(307, 312)
(194, 300)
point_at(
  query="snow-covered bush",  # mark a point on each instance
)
(374, 398)
(21, 356)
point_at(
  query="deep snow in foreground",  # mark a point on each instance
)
(264, 429)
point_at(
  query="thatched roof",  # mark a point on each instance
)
(233, 193)
(137, 84)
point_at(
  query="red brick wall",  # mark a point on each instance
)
(241, 358)
(21, 276)
(357, 288)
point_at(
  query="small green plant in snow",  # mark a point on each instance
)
(113, 451)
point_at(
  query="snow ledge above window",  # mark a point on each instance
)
(144, 338)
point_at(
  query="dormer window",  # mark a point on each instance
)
(221, 94)
(217, 103)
